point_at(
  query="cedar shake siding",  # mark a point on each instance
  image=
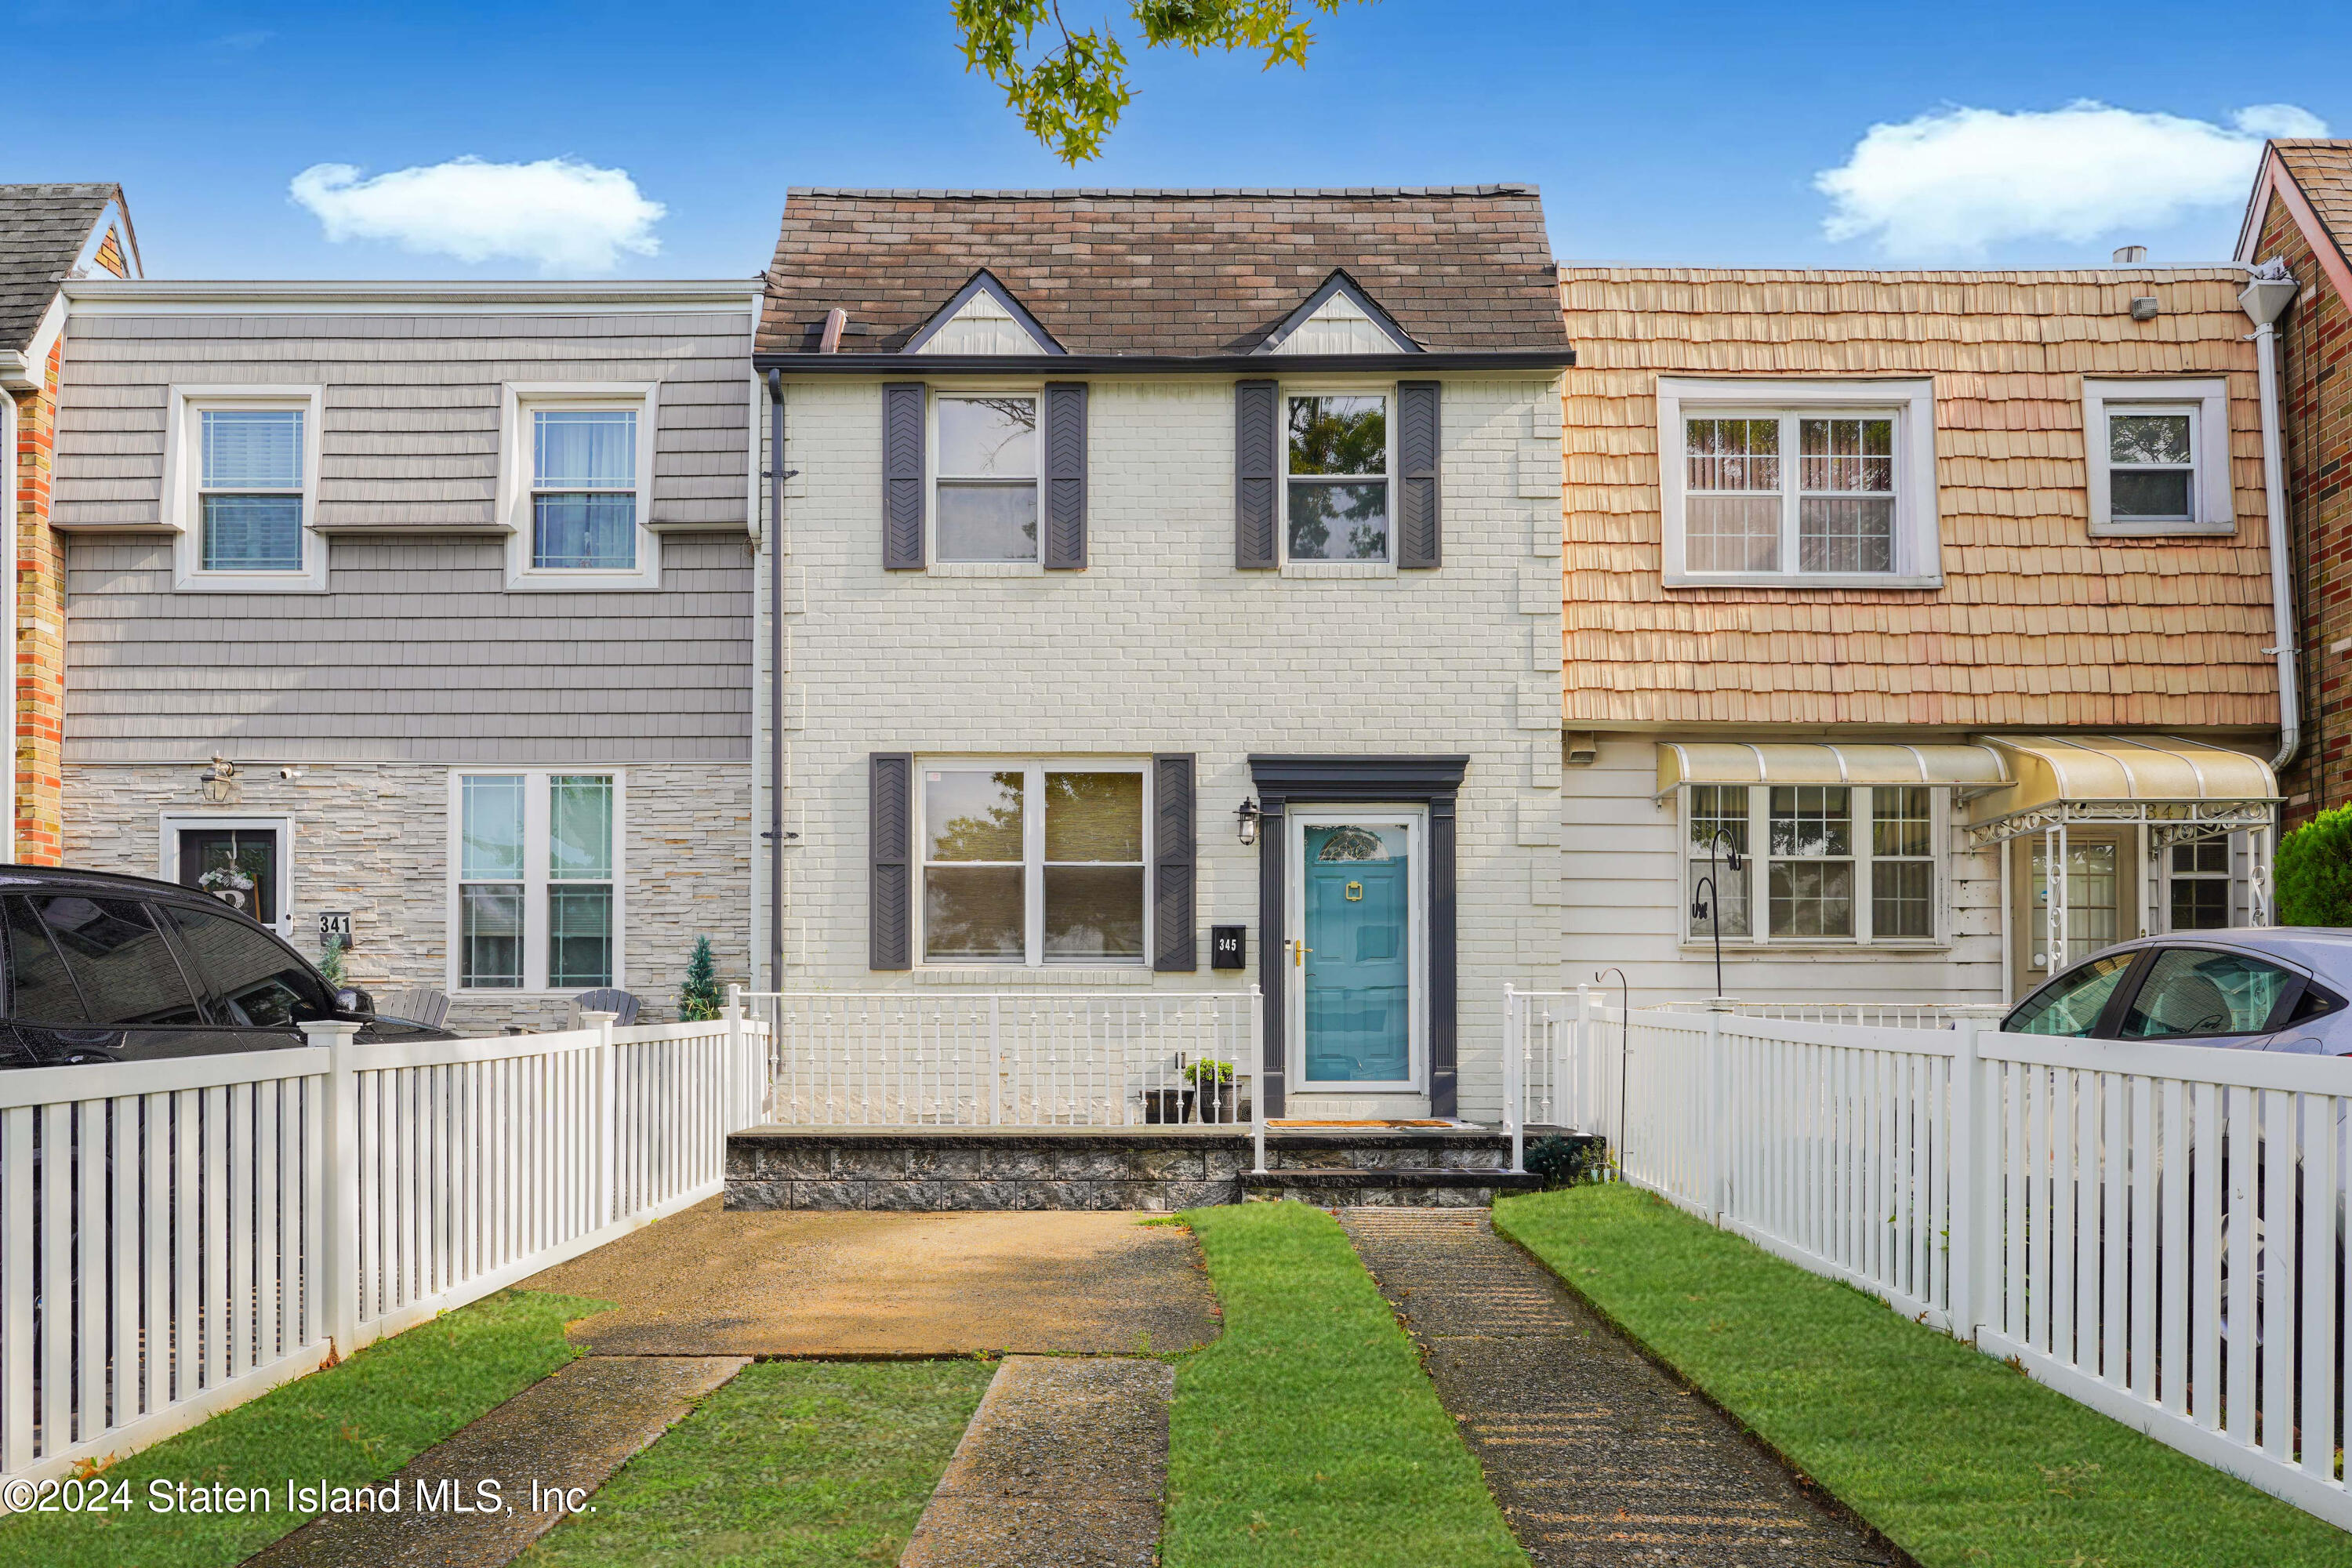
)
(1165, 273)
(2036, 625)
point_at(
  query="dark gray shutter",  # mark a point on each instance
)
(1257, 449)
(1066, 476)
(1418, 440)
(1174, 856)
(902, 476)
(890, 818)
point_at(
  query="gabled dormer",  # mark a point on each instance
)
(982, 319)
(1338, 318)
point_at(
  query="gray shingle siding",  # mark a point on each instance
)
(409, 430)
(417, 652)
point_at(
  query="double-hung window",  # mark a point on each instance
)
(1808, 484)
(537, 903)
(1837, 862)
(2157, 456)
(244, 489)
(1336, 503)
(1033, 863)
(577, 466)
(984, 505)
(2201, 883)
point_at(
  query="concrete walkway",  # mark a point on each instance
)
(1065, 1466)
(546, 1450)
(1598, 1458)
(847, 1285)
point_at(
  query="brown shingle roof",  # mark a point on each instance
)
(2037, 624)
(1466, 268)
(2323, 170)
(42, 231)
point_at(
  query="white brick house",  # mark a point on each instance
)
(1063, 610)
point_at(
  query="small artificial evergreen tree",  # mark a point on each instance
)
(331, 964)
(701, 997)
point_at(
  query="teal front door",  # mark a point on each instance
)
(1356, 969)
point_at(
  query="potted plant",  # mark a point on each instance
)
(1213, 1089)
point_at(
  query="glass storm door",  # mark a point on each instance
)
(2102, 901)
(1356, 955)
(237, 865)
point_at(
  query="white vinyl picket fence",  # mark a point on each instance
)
(177, 1236)
(2157, 1231)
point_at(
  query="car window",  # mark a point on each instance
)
(2071, 1005)
(119, 960)
(260, 982)
(2197, 991)
(39, 989)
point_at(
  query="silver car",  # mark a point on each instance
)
(2272, 988)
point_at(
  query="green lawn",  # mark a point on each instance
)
(357, 1422)
(1307, 1434)
(790, 1465)
(1963, 1462)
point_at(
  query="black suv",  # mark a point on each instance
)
(104, 968)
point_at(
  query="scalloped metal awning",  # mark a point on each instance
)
(1819, 763)
(2181, 789)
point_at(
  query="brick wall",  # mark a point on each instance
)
(2314, 338)
(1162, 645)
(40, 630)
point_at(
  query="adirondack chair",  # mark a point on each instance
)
(417, 1005)
(620, 1003)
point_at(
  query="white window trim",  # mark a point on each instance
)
(2211, 491)
(1753, 868)
(2160, 916)
(183, 472)
(171, 824)
(535, 879)
(1283, 393)
(1918, 534)
(519, 399)
(1032, 861)
(933, 475)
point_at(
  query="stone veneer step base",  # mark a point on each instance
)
(1113, 1168)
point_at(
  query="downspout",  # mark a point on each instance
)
(776, 478)
(2270, 289)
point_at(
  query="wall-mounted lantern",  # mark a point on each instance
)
(1248, 813)
(217, 785)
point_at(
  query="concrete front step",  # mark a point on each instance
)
(1098, 1168)
(1390, 1187)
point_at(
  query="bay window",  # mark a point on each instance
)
(1836, 863)
(1032, 863)
(536, 899)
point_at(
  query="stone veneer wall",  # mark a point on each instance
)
(373, 838)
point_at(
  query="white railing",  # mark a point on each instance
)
(2157, 1231)
(178, 1237)
(953, 1058)
(1886, 1014)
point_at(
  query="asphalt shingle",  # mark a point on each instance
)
(42, 231)
(1464, 268)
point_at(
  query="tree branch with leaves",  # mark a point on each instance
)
(1070, 93)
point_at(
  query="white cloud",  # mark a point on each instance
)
(558, 214)
(1955, 181)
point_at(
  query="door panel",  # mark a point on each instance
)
(1357, 890)
(237, 865)
(2102, 901)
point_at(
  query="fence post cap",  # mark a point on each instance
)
(590, 1019)
(1723, 1003)
(329, 1031)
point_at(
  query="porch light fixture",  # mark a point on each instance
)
(1248, 813)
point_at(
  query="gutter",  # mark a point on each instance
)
(2270, 289)
(906, 364)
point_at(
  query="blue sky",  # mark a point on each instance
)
(1671, 134)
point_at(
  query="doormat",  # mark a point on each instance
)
(1441, 1122)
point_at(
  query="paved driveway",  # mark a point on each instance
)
(797, 1283)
